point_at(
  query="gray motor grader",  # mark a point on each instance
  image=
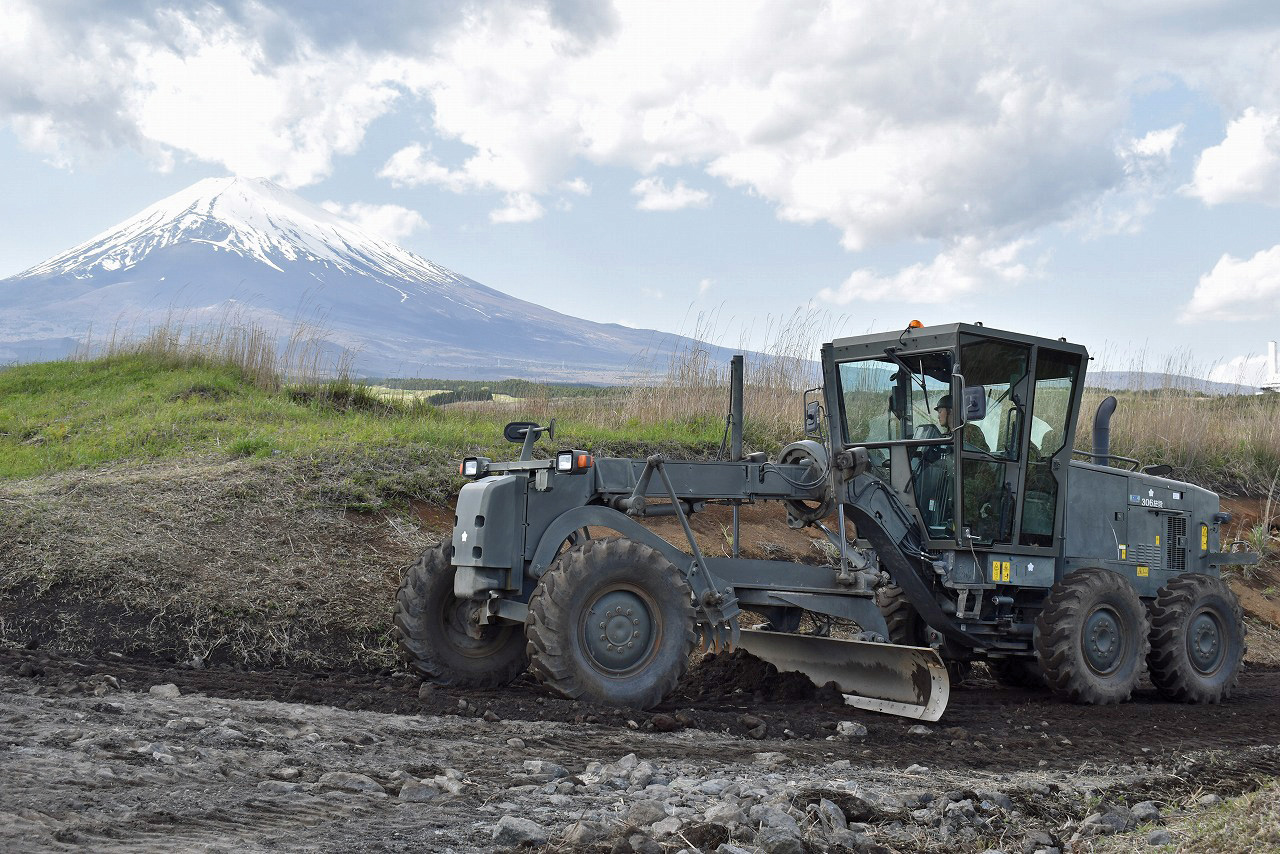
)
(940, 457)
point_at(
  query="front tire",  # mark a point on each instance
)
(1091, 637)
(432, 626)
(908, 628)
(611, 622)
(1197, 639)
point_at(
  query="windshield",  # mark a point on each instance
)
(887, 402)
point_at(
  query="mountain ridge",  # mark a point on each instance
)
(247, 247)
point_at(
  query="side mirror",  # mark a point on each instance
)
(812, 418)
(974, 403)
(1158, 470)
(516, 431)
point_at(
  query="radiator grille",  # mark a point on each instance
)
(1148, 555)
(1176, 543)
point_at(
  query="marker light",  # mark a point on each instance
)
(915, 324)
(474, 467)
(573, 462)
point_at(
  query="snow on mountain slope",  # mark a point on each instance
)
(249, 248)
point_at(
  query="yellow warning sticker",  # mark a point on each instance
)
(1143, 572)
(1157, 539)
(1004, 571)
(1124, 552)
(1204, 538)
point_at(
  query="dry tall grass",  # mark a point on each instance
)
(230, 339)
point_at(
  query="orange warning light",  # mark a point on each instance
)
(915, 324)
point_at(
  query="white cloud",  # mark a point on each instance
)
(1146, 164)
(520, 207)
(655, 195)
(980, 124)
(577, 186)
(704, 285)
(390, 221)
(1251, 370)
(1238, 289)
(962, 269)
(1245, 166)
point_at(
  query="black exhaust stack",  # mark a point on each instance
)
(1102, 431)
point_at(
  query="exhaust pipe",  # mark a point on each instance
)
(1102, 431)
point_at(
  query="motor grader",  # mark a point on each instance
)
(939, 463)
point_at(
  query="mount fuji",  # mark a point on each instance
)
(248, 250)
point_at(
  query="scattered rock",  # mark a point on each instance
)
(30, 670)
(919, 729)
(1208, 800)
(1145, 812)
(771, 759)
(1159, 836)
(725, 814)
(167, 691)
(774, 840)
(667, 826)
(831, 816)
(543, 771)
(581, 833)
(419, 791)
(426, 691)
(517, 743)
(641, 844)
(664, 723)
(349, 782)
(645, 813)
(916, 769)
(757, 732)
(279, 787)
(850, 729)
(287, 772)
(770, 815)
(518, 831)
(491, 716)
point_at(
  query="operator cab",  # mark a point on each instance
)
(970, 426)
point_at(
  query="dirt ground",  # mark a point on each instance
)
(103, 595)
(247, 761)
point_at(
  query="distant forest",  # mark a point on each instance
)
(454, 391)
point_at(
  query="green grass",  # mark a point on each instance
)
(61, 416)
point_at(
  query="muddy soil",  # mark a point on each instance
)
(242, 760)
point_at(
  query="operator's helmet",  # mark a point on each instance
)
(944, 402)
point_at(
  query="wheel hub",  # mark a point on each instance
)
(1204, 642)
(618, 630)
(1103, 641)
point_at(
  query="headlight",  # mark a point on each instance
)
(474, 467)
(573, 462)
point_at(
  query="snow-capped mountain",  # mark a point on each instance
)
(249, 251)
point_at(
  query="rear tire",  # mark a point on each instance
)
(1197, 639)
(611, 622)
(431, 624)
(1091, 637)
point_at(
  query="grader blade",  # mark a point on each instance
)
(908, 681)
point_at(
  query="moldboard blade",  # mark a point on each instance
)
(908, 681)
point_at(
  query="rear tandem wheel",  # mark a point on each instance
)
(611, 622)
(1197, 639)
(1091, 637)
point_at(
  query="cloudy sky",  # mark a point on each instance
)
(1105, 172)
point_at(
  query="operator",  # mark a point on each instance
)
(970, 434)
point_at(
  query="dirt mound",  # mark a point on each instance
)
(739, 675)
